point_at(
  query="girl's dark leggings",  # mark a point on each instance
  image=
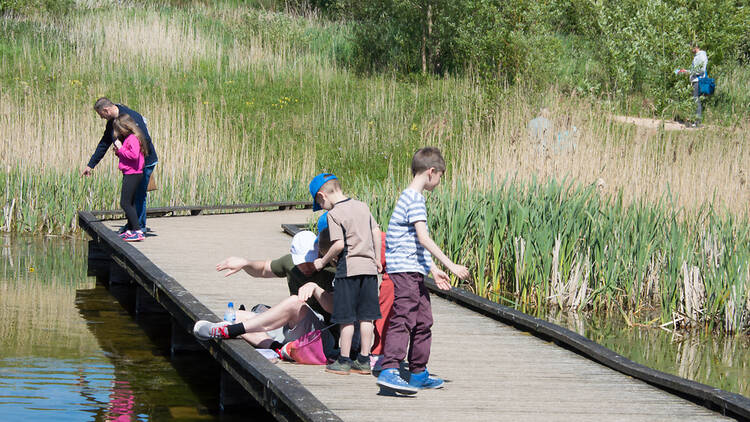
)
(130, 183)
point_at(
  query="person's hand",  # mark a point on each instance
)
(318, 263)
(460, 271)
(117, 144)
(233, 264)
(87, 171)
(380, 267)
(441, 278)
(307, 268)
(306, 291)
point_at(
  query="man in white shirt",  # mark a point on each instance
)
(697, 70)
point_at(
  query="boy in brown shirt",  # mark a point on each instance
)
(353, 233)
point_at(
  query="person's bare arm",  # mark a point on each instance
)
(234, 264)
(426, 241)
(313, 290)
(376, 241)
(333, 252)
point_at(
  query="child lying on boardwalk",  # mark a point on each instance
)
(289, 319)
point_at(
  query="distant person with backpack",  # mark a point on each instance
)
(697, 70)
(108, 111)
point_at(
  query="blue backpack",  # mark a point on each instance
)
(706, 85)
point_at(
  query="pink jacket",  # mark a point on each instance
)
(131, 158)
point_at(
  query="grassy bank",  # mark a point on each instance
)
(245, 105)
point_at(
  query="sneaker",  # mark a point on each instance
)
(205, 330)
(136, 236)
(361, 368)
(339, 367)
(425, 381)
(390, 379)
(125, 233)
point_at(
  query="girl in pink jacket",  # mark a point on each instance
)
(130, 147)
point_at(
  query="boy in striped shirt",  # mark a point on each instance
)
(408, 257)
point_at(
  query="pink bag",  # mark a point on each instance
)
(307, 349)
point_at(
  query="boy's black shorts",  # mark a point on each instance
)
(355, 299)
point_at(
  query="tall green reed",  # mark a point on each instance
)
(571, 246)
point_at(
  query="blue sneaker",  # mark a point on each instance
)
(390, 379)
(425, 381)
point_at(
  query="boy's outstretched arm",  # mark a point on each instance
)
(234, 264)
(426, 241)
(333, 252)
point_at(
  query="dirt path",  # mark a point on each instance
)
(650, 123)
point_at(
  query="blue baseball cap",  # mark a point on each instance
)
(315, 185)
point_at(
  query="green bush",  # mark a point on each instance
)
(607, 48)
(24, 7)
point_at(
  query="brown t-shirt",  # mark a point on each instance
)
(350, 220)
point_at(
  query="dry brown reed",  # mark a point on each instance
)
(697, 167)
(486, 141)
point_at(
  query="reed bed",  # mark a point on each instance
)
(246, 105)
(573, 247)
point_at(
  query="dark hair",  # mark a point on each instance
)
(425, 159)
(101, 103)
(124, 125)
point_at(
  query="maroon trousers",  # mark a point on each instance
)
(410, 324)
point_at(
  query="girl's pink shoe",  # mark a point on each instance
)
(136, 236)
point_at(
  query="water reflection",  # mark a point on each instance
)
(69, 351)
(715, 359)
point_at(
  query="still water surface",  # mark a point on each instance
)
(69, 351)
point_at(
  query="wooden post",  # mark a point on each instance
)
(232, 397)
(182, 341)
(120, 286)
(145, 303)
(98, 263)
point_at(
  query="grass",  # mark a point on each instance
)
(245, 105)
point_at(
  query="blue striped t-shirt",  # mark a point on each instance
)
(403, 252)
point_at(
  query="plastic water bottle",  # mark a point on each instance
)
(229, 314)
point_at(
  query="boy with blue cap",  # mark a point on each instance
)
(355, 243)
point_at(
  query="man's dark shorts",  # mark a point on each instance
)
(355, 299)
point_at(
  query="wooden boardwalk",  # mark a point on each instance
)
(493, 371)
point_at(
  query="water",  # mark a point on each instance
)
(69, 351)
(716, 359)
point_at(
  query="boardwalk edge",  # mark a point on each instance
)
(278, 392)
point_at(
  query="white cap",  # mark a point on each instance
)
(304, 247)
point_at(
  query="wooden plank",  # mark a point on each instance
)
(493, 371)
